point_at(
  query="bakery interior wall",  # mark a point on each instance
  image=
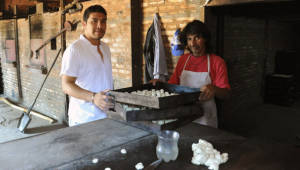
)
(32, 32)
(38, 27)
(125, 35)
(257, 40)
(174, 14)
(117, 36)
(240, 39)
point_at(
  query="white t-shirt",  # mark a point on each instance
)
(82, 60)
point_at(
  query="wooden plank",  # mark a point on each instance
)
(136, 42)
(186, 95)
(243, 153)
(39, 8)
(143, 119)
(65, 145)
(146, 125)
(180, 122)
(156, 114)
(136, 99)
(169, 113)
(235, 2)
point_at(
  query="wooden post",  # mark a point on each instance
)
(63, 47)
(137, 49)
(40, 8)
(202, 14)
(17, 54)
(63, 20)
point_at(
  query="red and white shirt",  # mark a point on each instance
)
(218, 69)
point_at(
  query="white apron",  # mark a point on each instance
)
(198, 80)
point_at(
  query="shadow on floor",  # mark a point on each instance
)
(44, 129)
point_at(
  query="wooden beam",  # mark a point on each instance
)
(234, 2)
(18, 63)
(39, 8)
(202, 14)
(136, 42)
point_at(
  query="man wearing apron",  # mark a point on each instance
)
(202, 69)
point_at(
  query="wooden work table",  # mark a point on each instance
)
(76, 147)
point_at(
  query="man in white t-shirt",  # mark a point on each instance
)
(86, 70)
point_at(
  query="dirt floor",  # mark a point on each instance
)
(9, 118)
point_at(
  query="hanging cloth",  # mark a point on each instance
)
(176, 46)
(149, 47)
(154, 53)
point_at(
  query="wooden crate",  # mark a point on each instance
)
(143, 118)
(182, 107)
(186, 95)
(155, 114)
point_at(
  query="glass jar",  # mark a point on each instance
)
(167, 146)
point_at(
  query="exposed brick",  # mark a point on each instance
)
(244, 50)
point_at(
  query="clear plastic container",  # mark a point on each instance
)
(167, 146)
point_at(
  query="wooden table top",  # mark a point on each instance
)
(77, 147)
(243, 153)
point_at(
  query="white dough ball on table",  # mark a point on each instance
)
(123, 151)
(139, 166)
(95, 160)
(205, 154)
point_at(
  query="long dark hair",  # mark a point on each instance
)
(196, 27)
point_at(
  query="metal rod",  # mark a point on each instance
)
(47, 41)
(43, 82)
(40, 115)
(69, 27)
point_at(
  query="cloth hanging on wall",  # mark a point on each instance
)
(176, 47)
(149, 47)
(154, 53)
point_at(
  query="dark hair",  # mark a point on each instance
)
(196, 27)
(94, 8)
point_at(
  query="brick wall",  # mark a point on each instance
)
(8, 69)
(52, 99)
(246, 49)
(244, 52)
(250, 44)
(118, 37)
(174, 14)
(281, 37)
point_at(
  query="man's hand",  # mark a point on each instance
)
(207, 92)
(103, 101)
(154, 81)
